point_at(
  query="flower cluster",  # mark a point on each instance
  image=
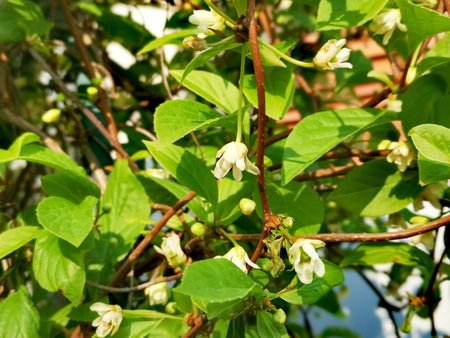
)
(401, 153)
(305, 259)
(386, 22)
(110, 317)
(233, 156)
(332, 55)
(238, 256)
(207, 22)
(171, 248)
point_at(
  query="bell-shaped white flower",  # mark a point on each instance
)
(157, 293)
(233, 155)
(238, 256)
(401, 153)
(305, 259)
(207, 22)
(386, 22)
(109, 319)
(171, 248)
(332, 55)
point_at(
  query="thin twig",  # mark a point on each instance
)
(362, 237)
(126, 265)
(139, 287)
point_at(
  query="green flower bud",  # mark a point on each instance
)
(51, 115)
(198, 229)
(247, 206)
(106, 209)
(92, 91)
(171, 308)
(194, 43)
(279, 316)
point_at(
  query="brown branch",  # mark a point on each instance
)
(126, 265)
(139, 287)
(103, 98)
(197, 322)
(377, 98)
(362, 237)
(269, 220)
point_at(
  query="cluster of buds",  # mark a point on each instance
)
(401, 153)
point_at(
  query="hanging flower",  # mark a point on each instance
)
(386, 22)
(247, 206)
(233, 155)
(170, 248)
(238, 256)
(110, 317)
(157, 293)
(305, 259)
(401, 153)
(332, 55)
(393, 104)
(207, 22)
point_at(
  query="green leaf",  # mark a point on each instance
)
(212, 87)
(434, 109)
(339, 14)
(18, 316)
(438, 55)
(421, 22)
(57, 265)
(67, 220)
(13, 151)
(205, 56)
(20, 19)
(166, 39)
(299, 202)
(62, 185)
(175, 119)
(186, 168)
(12, 239)
(61, 162)
(222, 309)
(215, 281)
(268, 327)
(151, 328)
(382, 253)
(433, 143)
(318, 133)
(377, 188)
(269, 58)
(230, 193)
(240, 6)
(279, 83)
(311, 293)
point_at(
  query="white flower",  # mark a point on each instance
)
(108, 322)
(393, 104)
(332, 55)
(170, 248)
(386, 22)
(305, 259)
(233, 155)
(238, 256)
(401, 153)
(207, 21)
(157, 293)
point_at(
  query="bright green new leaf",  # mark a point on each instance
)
(220, 310)
(175, 119)
(57, 265)
(339, 14)
(13, 151)
(186, 168)
(215, 281)
(434, 109)
(12, 239)
(269, 58)
(311, 293)
(421, 22)
(382, 253)
(318, 133)
(268, 327)
(166, 39)
(20, 19)
(212, 87)
(18, 316)
(67, 220)
(433, 143)
(377, 188)
(438, 55)
(279, 84)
